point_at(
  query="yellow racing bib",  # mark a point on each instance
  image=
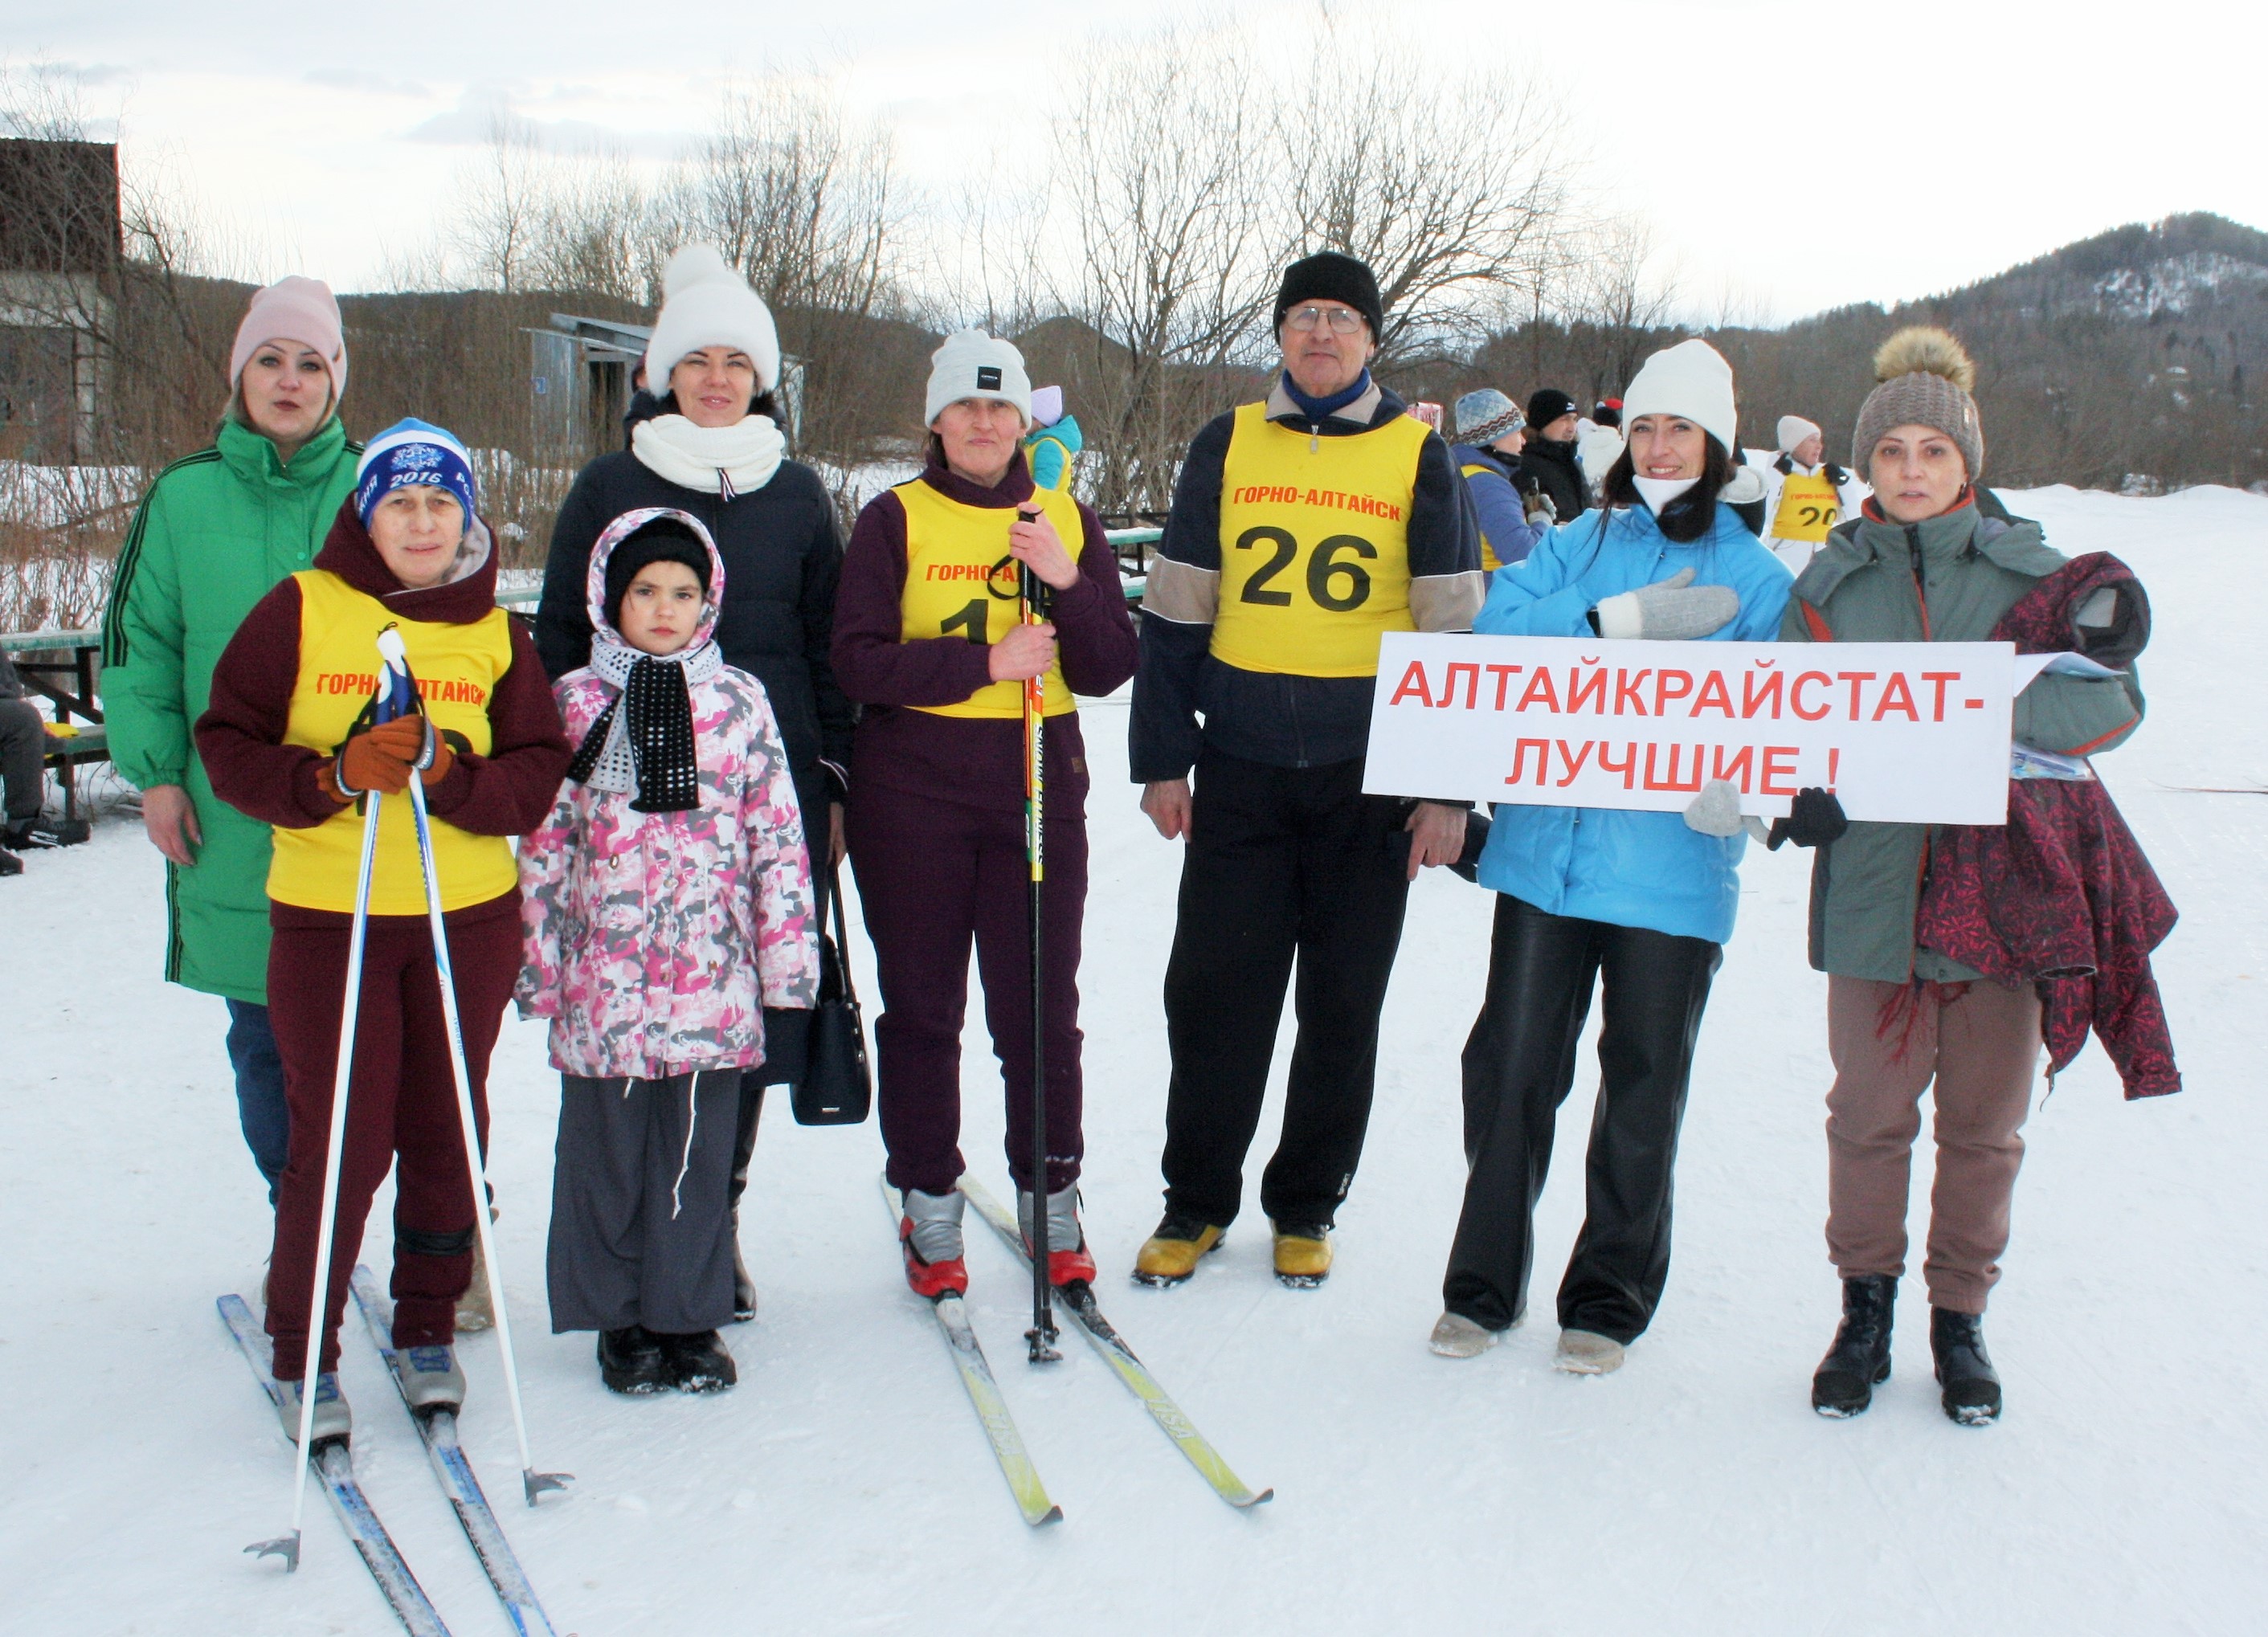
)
(1315, 546)
(952, 552)
(1809, 507)
(456, 667)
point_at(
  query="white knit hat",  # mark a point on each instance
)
(704, 303)
(1793, 429)
(1690, 380)
(973, 364)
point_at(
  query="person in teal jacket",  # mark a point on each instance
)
(213, 534)
(1640, 902)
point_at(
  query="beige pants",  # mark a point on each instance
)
(1981, 1043)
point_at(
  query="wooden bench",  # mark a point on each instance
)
(68, 683)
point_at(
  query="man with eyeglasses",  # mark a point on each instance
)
(1304, 527)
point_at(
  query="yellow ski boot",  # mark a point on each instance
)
(1303, 1253)
(1170, 1255)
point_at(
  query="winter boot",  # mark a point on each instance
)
(10, 864)
(1587, 1353)
(333, 1418)
(40, 833)
(1964, 1369)
(474, 1313)
(1456, 1337)
(1068, 1261)
(429, 1378)
(630, 1360)
(930, 1235)
(1859, 1360)
(1170, 1255)
(1303, 1253)
(699, 1362)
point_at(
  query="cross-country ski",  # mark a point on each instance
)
(1077, 1298)
(333, 1463)
(436, 1429)
(968, 1363)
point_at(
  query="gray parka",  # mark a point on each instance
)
(1946, 580)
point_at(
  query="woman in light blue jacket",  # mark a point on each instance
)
(1640, 902)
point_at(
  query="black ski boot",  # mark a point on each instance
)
(630, 1360)
(1860, 1361)
(1964, 1369)
(699, 1362)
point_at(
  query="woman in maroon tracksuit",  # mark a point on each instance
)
(936, 815)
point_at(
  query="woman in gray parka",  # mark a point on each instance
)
(1932, 558)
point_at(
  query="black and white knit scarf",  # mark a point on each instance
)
(643, 740)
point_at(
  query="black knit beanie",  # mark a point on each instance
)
(665, 539)
(1547, 405)
(1330, 275)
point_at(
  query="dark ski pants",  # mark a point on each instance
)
(1519, 1066)
(640, 1227)
(932, 876)
(1281, 862)
(23, 759)
(261, 1109)
(402, 1103)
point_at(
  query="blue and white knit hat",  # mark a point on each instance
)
(409, 454)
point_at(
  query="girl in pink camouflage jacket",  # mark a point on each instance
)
(667, 901)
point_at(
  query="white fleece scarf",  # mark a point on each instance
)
(722, 461)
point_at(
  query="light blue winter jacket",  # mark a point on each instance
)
(1631, 869)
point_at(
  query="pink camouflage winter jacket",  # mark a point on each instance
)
(653, 941)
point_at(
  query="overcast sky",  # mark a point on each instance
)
(1785, 156)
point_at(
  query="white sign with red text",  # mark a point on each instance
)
(1917, 732)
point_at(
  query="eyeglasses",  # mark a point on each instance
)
(1343, 320)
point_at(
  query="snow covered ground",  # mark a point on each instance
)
(844, 1487)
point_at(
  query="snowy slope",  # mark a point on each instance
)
(844, 1487)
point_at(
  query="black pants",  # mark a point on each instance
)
(786, 1032)
(1281, 861)
(1519, 1066)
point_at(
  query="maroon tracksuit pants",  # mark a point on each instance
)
(401, 1101)
(932, 876)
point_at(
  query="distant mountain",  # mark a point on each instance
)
(2136, 359)
(2138, 272)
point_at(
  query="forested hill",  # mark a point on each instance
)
(2134, 359)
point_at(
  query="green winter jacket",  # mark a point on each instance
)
(1946, 580)
(215, 532)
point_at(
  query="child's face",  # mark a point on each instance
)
(661, 608)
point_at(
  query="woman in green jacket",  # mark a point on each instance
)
(213, 534)
(1930, 559)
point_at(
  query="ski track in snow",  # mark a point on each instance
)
(845, 1487)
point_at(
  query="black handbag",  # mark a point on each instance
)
(837, 1087)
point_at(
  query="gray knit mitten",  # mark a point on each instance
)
(1674, 611)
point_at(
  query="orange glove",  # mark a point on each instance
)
(380, 758)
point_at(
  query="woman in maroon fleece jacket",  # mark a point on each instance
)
(935, 818)
(288, 739)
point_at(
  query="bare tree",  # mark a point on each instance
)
(1170, 182)
(1452, 226)
(502, 189)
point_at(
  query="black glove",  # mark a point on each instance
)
(1814, 819)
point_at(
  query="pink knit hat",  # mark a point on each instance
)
(293, 309)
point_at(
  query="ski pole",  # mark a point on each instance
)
(389, 644)
(333, 1153)
(1031, 598)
